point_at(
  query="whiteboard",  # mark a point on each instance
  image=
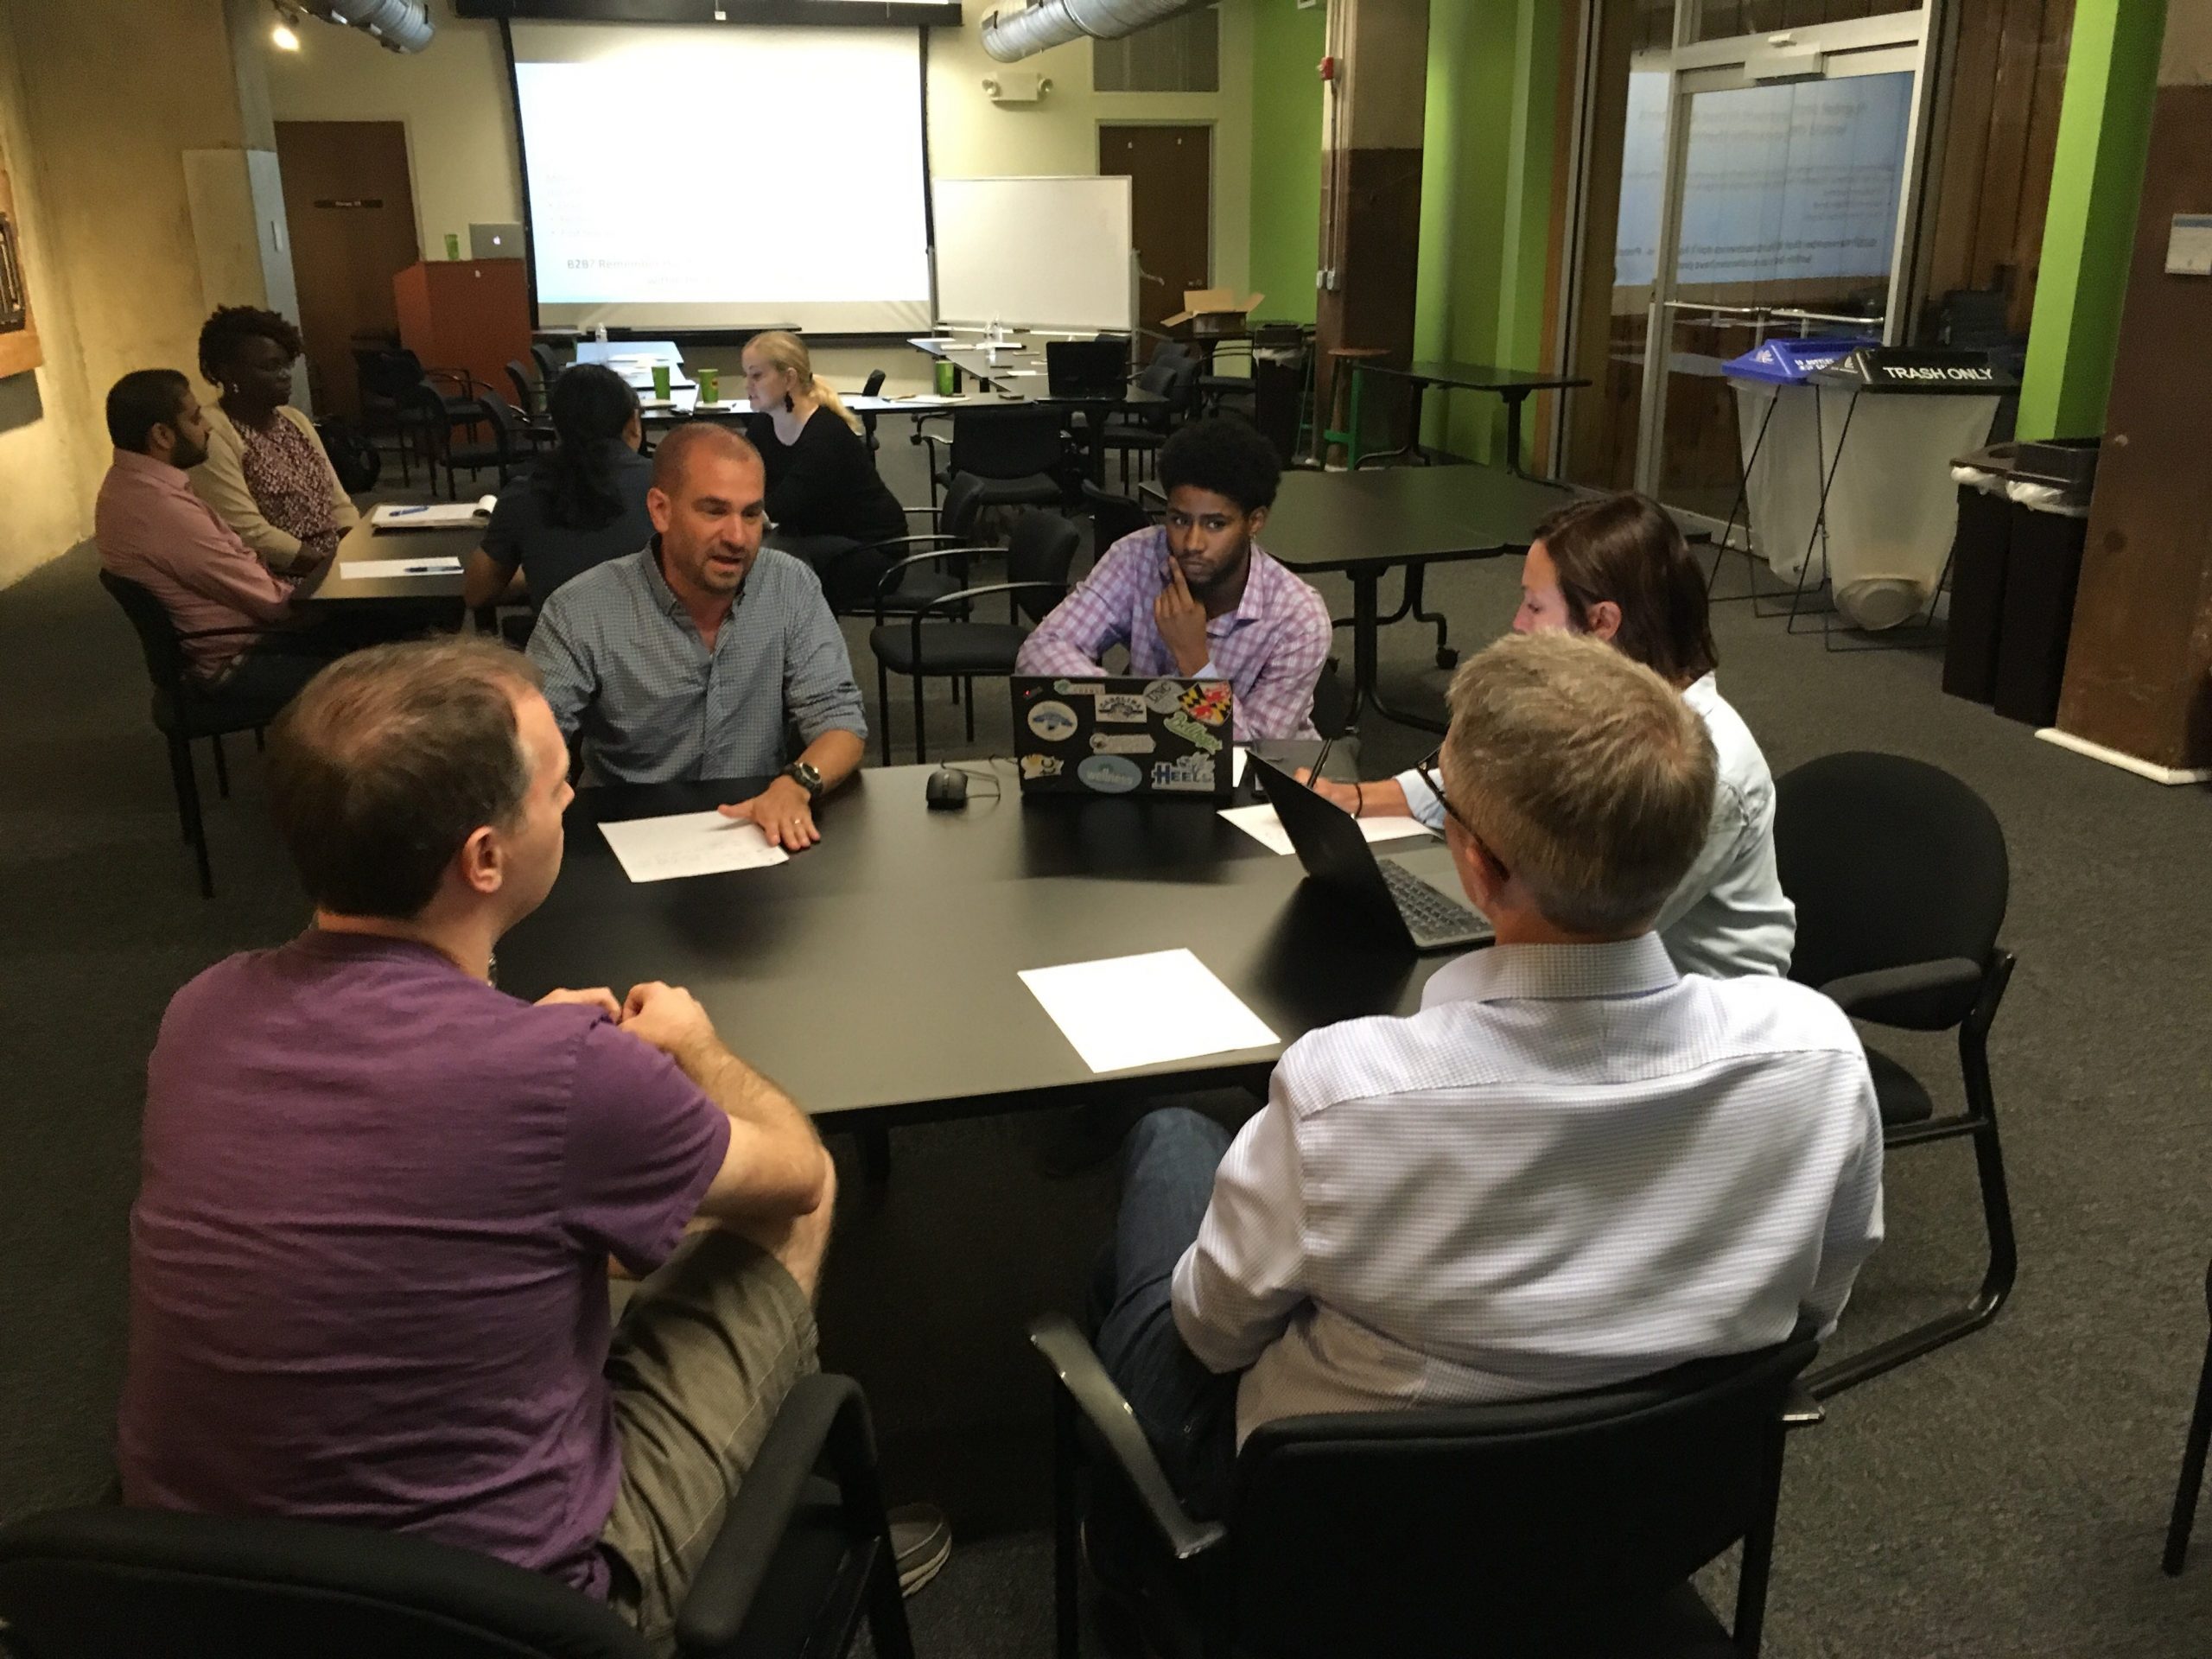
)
(1045, 253)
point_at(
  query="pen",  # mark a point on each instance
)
(1319, 760)
(433, 570)
(401, 512)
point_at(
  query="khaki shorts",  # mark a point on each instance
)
(706, 1351)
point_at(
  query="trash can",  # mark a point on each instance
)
(1977, 557)
(1279, 383)
(2049, 495)
(2015, 562)
(1778, 446)
(1889, 508)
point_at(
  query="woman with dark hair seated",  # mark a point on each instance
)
(1618, 569)
(579, 506)
(267, 475)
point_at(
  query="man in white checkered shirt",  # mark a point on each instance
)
(1575, 1167)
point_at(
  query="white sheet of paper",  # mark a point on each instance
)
(364, 569)
(1145, 1010)
(688, 843)
(1263, 826)
(1236, 766)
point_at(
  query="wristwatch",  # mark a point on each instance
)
(806, 778)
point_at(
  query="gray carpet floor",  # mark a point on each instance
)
(2004, 1498)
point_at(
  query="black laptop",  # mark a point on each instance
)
(1086, 368)
(1336, 855)
(1102, 735)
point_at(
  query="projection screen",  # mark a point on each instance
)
(733, 177)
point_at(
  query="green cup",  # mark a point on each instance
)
(948, 378)
(710, 386)
(453, 245)
(661, 378)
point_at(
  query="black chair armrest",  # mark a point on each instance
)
(822, 1416)
(1065, 1350)
(219, 634)
(1863, 996)
(897, 572)
(1800, 1410)
(952, 602)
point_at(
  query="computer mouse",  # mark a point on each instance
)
(946, 790)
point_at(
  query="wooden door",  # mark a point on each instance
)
(1172, 209)
(352, 209)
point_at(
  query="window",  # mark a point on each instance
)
(1182, 55)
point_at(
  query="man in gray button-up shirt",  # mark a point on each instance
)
(685, 660)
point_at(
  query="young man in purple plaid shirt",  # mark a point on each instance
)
(1196, 596)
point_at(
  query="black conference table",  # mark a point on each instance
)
(1361, 524)
(874, 976)
(436, 598)
(1512, 386)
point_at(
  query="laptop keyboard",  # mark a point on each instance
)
(1431, 916)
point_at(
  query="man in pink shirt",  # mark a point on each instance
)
(240, 632)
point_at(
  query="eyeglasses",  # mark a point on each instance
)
(1426, 771)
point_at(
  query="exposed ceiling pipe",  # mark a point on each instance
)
(398, 25)
(1055, 23)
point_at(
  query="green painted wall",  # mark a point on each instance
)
(1486, 183)
(1287, 45)
(2104, 132)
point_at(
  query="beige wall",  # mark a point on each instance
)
(455, 102)
(99, 101)
(2188, 58)
(453, 99)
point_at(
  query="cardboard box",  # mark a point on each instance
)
(1214, 310)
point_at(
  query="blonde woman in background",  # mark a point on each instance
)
(824, 499)
(267, 475)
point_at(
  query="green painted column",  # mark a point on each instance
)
(1486, 200)
(2104, 128)
(1288, 41)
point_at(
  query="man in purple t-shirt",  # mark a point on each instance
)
(369, 1254)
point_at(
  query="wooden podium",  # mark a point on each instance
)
(465, 314)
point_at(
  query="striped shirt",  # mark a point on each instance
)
(626, 668)
(1729, 915)
(1271, 648)
(1573, 1167)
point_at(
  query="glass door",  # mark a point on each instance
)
(1755, 183)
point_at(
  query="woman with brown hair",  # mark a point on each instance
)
(1618, 569)
(267, 475)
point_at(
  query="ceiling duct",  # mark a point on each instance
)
(1055, 23)
(398, 25)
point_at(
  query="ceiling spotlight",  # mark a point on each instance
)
(282, 35)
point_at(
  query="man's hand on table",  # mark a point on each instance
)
(785, 812)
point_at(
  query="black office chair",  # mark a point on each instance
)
(936, 641)
(1143, 428)
(184, 709)
(1563, 1527)
(872, 387)
(549, 367)
(500, 450)
(800, 1563)
(392, 381)
(2191, 1482)
(1899, 874)
(1112, 516)
(957, 532)
(530, 403)
(1016, 452)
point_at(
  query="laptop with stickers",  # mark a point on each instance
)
(1116, 736)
